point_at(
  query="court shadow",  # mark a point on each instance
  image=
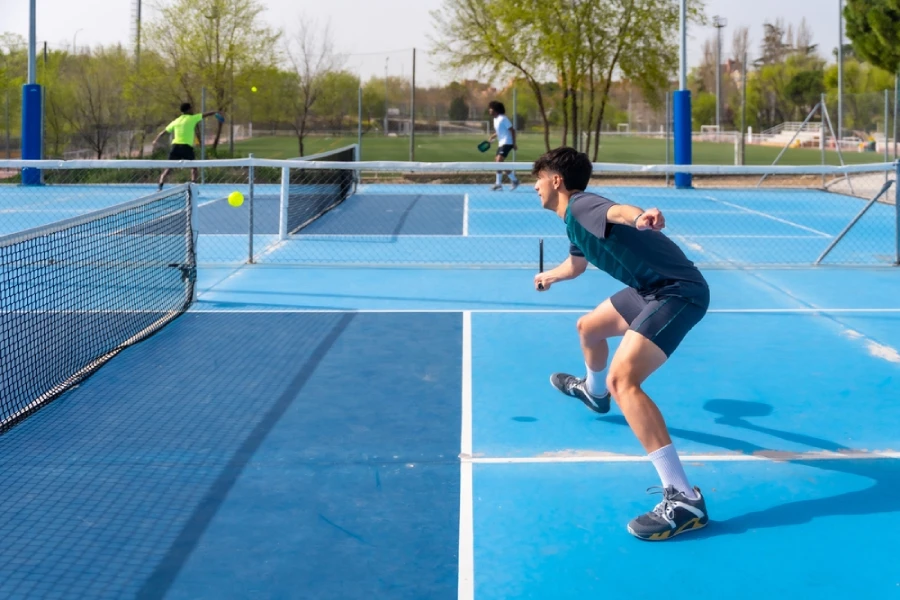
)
(882, 497)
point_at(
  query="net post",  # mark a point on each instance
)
(285, 190)
(195, 236)
(668, 131)
(683, 140)
(850, 225)
(250, 173)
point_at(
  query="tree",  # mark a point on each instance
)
(582, 44)
(459, 110)
(212, 44)
(874, 28)
(311, 55)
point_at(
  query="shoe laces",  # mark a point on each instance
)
(666, 508)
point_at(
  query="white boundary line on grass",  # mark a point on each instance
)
(466, 583)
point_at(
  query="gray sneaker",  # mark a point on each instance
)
(496, 187)
(514, 185)
(676, 514)
(577, 388)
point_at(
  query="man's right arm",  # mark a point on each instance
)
(570, 268)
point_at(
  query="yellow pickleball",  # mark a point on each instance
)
(253, 89)
(235, 198)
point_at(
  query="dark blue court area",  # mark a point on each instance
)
(235, 455)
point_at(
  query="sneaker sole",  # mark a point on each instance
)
(585, 402)
(695, 524)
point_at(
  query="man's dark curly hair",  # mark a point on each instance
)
(573, 166)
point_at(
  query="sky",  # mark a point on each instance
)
(384, 33)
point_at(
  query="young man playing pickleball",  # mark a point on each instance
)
(182, 130)
(505, 135)
(665, 297)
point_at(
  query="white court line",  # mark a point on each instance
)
(508, 210)
(465, 230)
(466, 583)
(772, 217)
(538, 311)
(768, 456)
(750, 237)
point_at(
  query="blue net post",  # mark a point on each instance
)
(682, 118)
(32, 109)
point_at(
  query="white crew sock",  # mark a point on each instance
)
(671, 471)
(596, 381)
(499, 178)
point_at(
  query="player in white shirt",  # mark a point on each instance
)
(505, 134)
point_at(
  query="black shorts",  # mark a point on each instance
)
(504, 150)
(664, 320)
(181, 152)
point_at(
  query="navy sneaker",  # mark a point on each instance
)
(673, 516)
(577, 388)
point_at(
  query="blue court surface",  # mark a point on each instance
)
(332, 429)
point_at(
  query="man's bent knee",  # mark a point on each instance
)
(619, 382)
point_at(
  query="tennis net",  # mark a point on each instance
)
(314, 192)
(78, 291)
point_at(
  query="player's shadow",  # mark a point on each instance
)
(883, 496)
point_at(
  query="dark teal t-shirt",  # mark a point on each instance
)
(647, 261)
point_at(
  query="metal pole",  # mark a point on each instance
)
(682, 67)
(887, 116)
(744, 110)
(250, 169)
(515, 117)
(32, 43)
(897, 217)
(896, 114)
(231, 115)
(668, 123)
(203, 134)
(359, 114)
(822, 136)
(840, 109)
(283, 203)
(6, 86)
(850, 225)
(719, 23)
(412, 110)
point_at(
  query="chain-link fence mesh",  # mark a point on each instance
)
(335, 211)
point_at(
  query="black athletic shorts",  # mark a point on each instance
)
(504, 150)
(664, 320)
(181, 152)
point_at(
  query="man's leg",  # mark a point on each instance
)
(644, 349)
(162, 178)
(594, 329)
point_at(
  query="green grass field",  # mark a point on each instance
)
(613, 149)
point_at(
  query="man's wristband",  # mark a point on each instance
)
(634, 223)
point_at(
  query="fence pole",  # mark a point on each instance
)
(250, 170)
(897, 216)
(887, 140)
(668, 123)
(359, 117)
(412, 110)
(515, 118)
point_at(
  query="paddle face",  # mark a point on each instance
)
(484, 146)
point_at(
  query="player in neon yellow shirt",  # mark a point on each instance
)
(183, 129)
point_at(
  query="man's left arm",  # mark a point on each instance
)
(632, 216)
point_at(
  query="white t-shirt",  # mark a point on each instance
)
(502, 125)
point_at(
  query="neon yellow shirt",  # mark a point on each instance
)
(183, 128)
